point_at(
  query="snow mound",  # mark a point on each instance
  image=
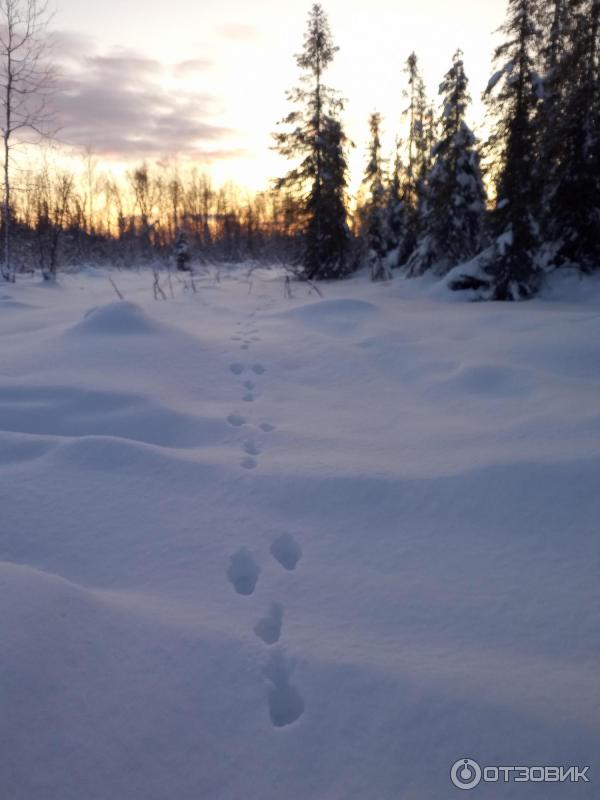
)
(569, 285)
(6, 302)
(18, 449)
(25, 590)
(84, 674)
(470, 278)
(494, 380)
(121, 318)
(576, 354)
(333, 316)
(69, 411)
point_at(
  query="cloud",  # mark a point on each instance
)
(120, 105)
(188, 69)
(238, 31)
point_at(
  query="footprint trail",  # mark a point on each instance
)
(286, 550)
(269, 627)
(243, 572)
(286, 704)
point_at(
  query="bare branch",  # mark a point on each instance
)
(115, 287)
(26, 81)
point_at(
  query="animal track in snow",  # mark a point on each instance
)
(269, 627)
(248, 398)
(250, 385)
(237, 369)
(244, 347)
(249, 463)
(286, 550)
(243, 572)
(236, 420)
(286, 705)
(258, 369)
(252, 448)
(267, 427)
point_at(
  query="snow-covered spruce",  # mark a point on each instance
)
(454, 204)
(569, 158)
(316, 141)
(376, 222)
(513, 96)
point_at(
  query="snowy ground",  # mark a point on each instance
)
(255, 548)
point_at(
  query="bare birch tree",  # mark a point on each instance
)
(25, 82)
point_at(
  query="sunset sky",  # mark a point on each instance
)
(205, 80)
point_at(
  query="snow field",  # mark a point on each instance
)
(255, 547)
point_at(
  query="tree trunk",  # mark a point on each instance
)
(7, 272)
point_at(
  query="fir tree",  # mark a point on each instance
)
(318, 142)
(513, 95)
(396, 211)
(553, 19)
(572, 144)
(377, 236)
(328, 240)
(414, 190)
(454, 206)
(415, 149)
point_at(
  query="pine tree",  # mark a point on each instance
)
(454, 206)
(377, 236)
(396, 211)
(328, 240)
(513, 96)
(554, 21)
(416, 149)
(318, 142)
(572, 145)
(418, 155)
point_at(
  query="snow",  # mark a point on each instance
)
(255, 547)
(118, 319)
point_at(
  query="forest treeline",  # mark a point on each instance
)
(499, 215)
(59, 219)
